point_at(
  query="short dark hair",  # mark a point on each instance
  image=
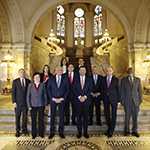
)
(82, 67)
(35, 73)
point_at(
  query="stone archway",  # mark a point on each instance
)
(50, 5)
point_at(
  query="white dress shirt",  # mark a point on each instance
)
(64, 69)
(72, 75)
(57, 79)
(24, 81)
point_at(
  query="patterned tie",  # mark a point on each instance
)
(108, 81)
(82, 83)
(131, 83)
(23, 84)
(70, 78)
(58, 82)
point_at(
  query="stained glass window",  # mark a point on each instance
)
(98, 21)
(79, 23)
(60, 21)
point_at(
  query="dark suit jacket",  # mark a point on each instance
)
(71, 94)
(18, 95)
(36, 98)
(113, 90)
(87, 89)
(55, 92)
(97, 88)
(76, 71)
(131, 95)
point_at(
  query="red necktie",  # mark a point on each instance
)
(70, 78)
(23, 84)
(82, 84)
(45, 77)
(108, 81)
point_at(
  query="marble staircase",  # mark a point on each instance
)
(7, 122)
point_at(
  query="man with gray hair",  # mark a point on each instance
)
(131, 98)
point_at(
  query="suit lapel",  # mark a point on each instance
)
(19, 82)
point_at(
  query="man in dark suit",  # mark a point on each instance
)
(81, 63)
(95, 96)
(110, 97)
(19, 92)
(82, 89)
(58, 90)
(131, 98)
(70, 97)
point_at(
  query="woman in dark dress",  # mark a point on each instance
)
(64, 65)
(44, 78)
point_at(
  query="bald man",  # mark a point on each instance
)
(58, 90)
(131, 98)
(110, 97)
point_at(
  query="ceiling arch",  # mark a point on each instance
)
(50, 5)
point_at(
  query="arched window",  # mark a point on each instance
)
(79, 23)
(60, 21)
(98, 21)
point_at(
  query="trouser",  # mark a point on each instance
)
(61, 117)
(82, 111)
(131, 110)
(40, 111)
(97, 103)
(111, 122)
(18, 111)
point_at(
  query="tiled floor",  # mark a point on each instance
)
(97, 141)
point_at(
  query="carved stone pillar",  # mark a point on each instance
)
(27, 60)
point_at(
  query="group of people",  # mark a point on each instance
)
(74, 86)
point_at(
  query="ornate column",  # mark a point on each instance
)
(130, 55)
(88, 29)
(69, 29)
(27, 60)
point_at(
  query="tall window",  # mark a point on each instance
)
(79, 23)
(98, 21)
(60, 21)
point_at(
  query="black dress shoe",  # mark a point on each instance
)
(79, 135)
(110, 135)
(99, 123)
(25, 132)
(90, 123)
(86, 135)
(42, 136)
(17, 134)
(61, 135)
(33, 137)
(66, 123)
(51, 136)
(74, 123)
(135, 134)
(126, 133)
(107, 132)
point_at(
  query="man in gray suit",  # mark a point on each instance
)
(19, 92)
(131, 98)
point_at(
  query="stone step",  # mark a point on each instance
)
(72, 128)
(120, 118)
(120, 111)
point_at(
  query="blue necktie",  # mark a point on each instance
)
(58, 82)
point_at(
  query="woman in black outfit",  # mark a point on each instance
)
(44, 78)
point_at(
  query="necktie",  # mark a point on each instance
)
(131, 81)
(82, 84)
(70, 78)
(23, 84)
(108, 81)
(95, 79)
(58, 81)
